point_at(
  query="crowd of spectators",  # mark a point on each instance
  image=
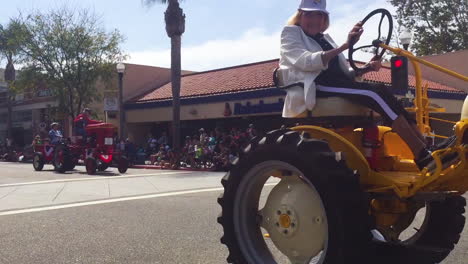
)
(207, 149)
(212, 149)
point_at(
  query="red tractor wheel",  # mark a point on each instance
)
(91, 166)
(122, 165)
(38, 162)
(62, 158)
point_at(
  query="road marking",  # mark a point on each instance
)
(91, 179)
(114, 200)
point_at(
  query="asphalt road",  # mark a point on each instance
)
(180, 228)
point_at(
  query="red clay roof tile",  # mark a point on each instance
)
(251, 77)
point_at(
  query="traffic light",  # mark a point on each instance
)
(399, 72)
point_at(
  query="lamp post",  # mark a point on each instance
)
(120, 70)
(405, 38)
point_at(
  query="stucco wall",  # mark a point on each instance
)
(455, 61)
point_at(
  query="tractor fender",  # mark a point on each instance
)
(460, 129)
(355, 160)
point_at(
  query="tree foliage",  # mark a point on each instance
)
(69, 51)
(438, 25)
(10, 41)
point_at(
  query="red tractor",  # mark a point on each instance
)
(99, 151)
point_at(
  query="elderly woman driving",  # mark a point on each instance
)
(313, 58)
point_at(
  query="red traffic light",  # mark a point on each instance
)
(398, 63)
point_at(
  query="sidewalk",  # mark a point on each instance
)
(28, 195)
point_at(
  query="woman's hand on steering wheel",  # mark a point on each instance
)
(375, 64)
(354, 34)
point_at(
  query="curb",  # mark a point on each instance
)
(157, 167)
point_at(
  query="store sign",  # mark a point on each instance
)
(261, 107)
(111, 104)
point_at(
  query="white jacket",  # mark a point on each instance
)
(301, 61)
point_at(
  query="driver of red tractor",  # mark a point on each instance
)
(55, 134)
(83, 120)
(310, 56)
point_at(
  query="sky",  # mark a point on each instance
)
(219, 33)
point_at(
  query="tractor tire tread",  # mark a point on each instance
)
(341, 185)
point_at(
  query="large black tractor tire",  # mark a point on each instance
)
(122, 164)
(71, 165)
(38, 161)
(345, 205)
(62, 158)
(436, 238)
(91, 166)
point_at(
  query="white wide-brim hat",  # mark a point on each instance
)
(314, 5)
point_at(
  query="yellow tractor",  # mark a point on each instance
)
(324, 194)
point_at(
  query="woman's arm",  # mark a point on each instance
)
(353, 37)
(373, 65)
(294, 51)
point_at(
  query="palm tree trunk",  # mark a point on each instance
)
(175, 27)
(176, 79)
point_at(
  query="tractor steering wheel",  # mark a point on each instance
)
(378, 51)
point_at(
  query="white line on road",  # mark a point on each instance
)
(55, 207)
(114, 200)
(91, 179)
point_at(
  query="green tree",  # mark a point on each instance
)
(70, 51)
(175, 27)
(10, 50)
(438, 25)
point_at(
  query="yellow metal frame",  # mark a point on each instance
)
(421, 100)
(399, 174)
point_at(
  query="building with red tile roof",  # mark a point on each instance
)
(245, 91)
(251, 77)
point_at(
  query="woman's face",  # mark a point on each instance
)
(312, 22)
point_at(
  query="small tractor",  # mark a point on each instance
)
(330, 194)
(97, 149)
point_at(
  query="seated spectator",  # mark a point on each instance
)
(161, 156)
(37, 140)
(163, 140)
(140, 156)
(212, 141)
(152, 145)
(203, 136)
(251, 131)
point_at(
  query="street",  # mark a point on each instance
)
(144, 216)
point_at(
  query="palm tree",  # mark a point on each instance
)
(9, 48)
(175, 27)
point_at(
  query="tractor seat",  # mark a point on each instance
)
(325, 106)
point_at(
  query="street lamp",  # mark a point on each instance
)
(405, 38)
(120, 70)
